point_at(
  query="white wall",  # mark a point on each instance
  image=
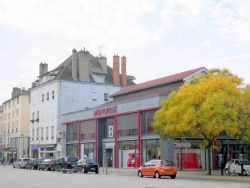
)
(78, 96)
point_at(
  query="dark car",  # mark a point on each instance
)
(87, 165)
(47, 164)
(64, 163)
(33, 163)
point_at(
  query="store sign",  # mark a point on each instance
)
(182, 145)
(13, 149)
(111, 131)
(106, 111)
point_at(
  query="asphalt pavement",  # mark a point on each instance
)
(196, 173)
(215, 174)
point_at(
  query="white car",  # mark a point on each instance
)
(235, 167)
(20, 162)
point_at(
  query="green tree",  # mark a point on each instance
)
(201, 109)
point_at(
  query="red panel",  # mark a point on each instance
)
(189, 160)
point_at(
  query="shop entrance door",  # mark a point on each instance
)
(109, 153)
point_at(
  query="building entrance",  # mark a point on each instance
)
(109, 157)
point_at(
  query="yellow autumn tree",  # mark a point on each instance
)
(243, 118)
(202, 109)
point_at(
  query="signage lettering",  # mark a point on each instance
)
(106, 111)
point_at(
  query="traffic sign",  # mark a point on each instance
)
(182, 145)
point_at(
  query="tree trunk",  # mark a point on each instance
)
(209, 162)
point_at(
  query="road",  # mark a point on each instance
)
(22, 178)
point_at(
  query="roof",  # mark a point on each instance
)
(158, 82)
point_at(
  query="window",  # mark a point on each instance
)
(53, 94)
(47, 96)
(37, 115)
(106, 96)
(32, 135)
(147, 119)
(52, 132)
(33, 115)
(94, 96)
(13, 114)
(42, 97)
(41, 133)
(47, 133)
(17, 112)
(37, 134)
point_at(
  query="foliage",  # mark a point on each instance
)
(243, 118)
(203, 109)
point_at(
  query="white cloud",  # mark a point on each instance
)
(157, 37)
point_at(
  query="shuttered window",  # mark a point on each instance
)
(88, 130)
(127, 125)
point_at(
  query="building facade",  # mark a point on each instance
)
(119, 133)
(15, 124)
(81, 82)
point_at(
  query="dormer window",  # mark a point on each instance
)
(106, 96)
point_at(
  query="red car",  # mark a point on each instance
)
(158, 168)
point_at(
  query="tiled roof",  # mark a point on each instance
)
(158, 91)
(157, 82)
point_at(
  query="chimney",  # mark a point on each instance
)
(103, 61)
(43, 68)
(74, 64)
(116, 72)
(84, 58)
(124, 74)
(15, 92)
(40, 69)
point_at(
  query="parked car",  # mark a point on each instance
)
(235, 167)
(87, 165)
(20, 162)
(64, 163)
(47, 164)
(33, 163)
(158, 168)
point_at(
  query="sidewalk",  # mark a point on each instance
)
(216, 174)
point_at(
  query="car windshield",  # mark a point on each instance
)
(91, 161)
(73, 159)
(167, 163)
(25, 160)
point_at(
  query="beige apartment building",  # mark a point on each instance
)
(15, 125)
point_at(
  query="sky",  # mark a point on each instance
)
(158, 37)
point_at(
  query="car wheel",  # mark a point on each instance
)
(173, 177)
(157, 175)
(226, 171)
(244, 173)
(140, 174)
(84, 170)
(96, 172)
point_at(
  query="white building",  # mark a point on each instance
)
(81, 82)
